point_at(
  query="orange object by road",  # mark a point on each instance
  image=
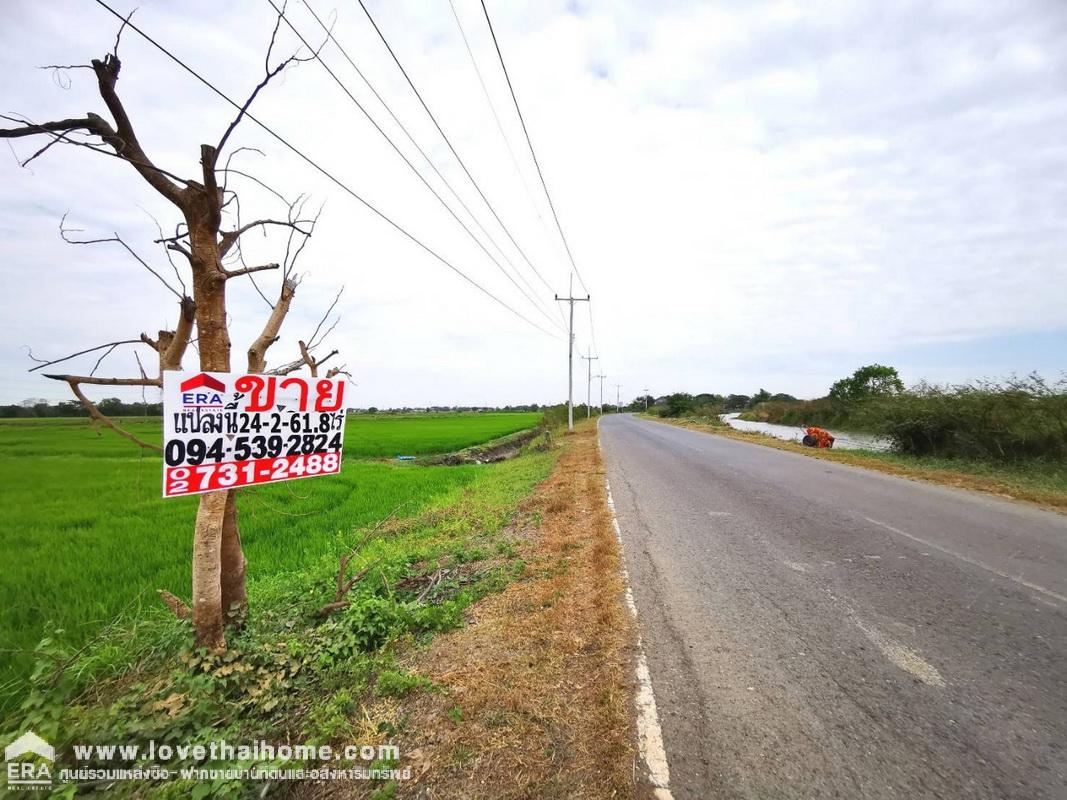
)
(817, 437)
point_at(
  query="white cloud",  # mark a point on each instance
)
(741, 183)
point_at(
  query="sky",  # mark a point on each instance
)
(755, 194)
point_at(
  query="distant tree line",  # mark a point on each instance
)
(680, 404)
(111, 406)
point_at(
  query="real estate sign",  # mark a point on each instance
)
(226, 430)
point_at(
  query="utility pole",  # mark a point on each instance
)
(571, 300)
(589, 385)
(618, 400)
(646, 398)
(601, 392)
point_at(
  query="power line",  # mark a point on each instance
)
(496, 117)
(399, 152)
(407, 133)
(448, 142)
(526, 132)
(322, 170)
(500, 127)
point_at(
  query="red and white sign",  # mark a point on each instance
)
(226, 430)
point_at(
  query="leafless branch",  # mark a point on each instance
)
(254, 179)
(257, 352)
(167, 251)
(344, 582)
(44, 364)
(104, 355)
(95, 413)
(314, 340)
(271, 73)
(65, 231)
(118, 36)
(229, 158)
(333, 372)
(249, 270)
(93, 381)
(229, 238)
(93, 125)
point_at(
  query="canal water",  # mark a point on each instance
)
(846, 441)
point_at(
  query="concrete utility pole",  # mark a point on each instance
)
(646, 398)
(570, 353)
(589, 385)
(618, 401)
(601, 392)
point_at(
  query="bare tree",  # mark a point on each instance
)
(213, 257)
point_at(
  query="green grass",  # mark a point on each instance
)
(88, 538)
(366, 435)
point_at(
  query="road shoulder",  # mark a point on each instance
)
(533, 696)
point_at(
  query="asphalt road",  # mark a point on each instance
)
(816, 630)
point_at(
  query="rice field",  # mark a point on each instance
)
(88, 538)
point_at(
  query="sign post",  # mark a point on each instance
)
(228, 430)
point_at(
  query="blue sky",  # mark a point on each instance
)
(756, 193)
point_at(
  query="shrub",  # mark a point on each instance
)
(1014, 419)
(676, 405)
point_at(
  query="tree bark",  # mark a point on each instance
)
(217, 554)
(207, 564)
(234, 564)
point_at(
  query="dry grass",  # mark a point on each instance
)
(1055, 501)
(535, 690)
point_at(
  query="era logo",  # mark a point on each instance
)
(208, 394)
(29, 773)
(25, 773)
(201, 399)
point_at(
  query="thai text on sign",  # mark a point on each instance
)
(226, 430)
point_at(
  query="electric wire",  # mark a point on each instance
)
(322, 170)
(533, 154)
(496, 116)
(412, 167)
(500, 128)
(415, 144)
(448, 142)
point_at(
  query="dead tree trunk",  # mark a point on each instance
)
(219, 565)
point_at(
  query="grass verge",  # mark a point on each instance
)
(1038, 482)
(532, 697)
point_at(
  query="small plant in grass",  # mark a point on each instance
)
(329, 720)
(398, 683)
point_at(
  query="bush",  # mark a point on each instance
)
(1014, 419)
(676, 405)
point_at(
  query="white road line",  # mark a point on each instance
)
(902, 657)
(897, 654)
(971, 561)
(649, 733)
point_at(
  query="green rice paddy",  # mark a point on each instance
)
(88, 538)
